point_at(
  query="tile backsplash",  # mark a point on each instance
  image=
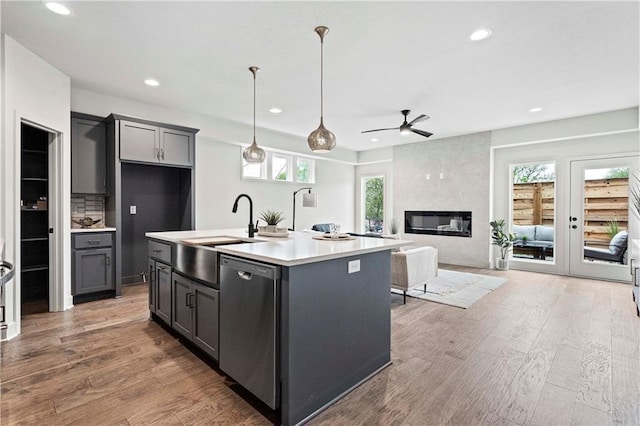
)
(87, 206)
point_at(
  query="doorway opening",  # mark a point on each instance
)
(35, 185)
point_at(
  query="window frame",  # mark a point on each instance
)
(266, 168)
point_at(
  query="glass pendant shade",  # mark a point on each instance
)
(322, 139)
(253, 153)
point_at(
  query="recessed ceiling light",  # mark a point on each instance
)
(374, 139)
(480, 34)
(536, 109)
(57, 8)
(151, 82)
(275, 110)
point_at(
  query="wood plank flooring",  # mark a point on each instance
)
(540, 350)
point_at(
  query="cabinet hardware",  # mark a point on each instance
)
(157, 153)
(162, 153)
(156, 251)
(108, 260)
(93, 242)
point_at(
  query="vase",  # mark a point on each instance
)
(502, 264)
(271, 228)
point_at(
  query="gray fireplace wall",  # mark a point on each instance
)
(459, 170)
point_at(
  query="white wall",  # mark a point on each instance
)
(218, 170)
(464, 162)
(34, 91)
(219, 165)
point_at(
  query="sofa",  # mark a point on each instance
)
(534, 239)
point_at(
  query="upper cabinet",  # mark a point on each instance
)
(149, 143)
(88, 155)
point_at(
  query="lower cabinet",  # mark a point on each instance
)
(92, 264)
(160, 290)
(195, 313)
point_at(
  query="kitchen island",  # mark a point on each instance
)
(328, 303)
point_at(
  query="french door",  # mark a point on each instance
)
(599, 211)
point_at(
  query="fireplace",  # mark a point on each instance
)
(449, 223)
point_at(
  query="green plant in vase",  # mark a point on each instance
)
(272, 218)
(504, 240)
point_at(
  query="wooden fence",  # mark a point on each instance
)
(605, 200)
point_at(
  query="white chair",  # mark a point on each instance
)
(413, 268)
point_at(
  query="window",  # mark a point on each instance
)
(254, 171)
(373, 204)
(305, 172)
(281, 167)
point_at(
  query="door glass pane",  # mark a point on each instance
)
(533, 211)
(373, 195)
(606, 214)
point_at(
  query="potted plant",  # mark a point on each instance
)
(393, 227)
(504, 240)
(273, 218)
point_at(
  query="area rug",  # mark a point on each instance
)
(459, 289)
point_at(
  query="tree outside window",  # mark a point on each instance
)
(374, 204)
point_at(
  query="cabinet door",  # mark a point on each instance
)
(176, 147)
(163, 293)
(205, 319)
(182, 305)
(153, 286)
(93, 271)
(88, 157)
(139, 142)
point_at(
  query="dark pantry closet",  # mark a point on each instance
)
(34, 219)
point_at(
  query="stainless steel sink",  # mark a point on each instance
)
(197, 258)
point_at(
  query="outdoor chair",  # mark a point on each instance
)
(614, 253)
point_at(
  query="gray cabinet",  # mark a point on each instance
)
(160, 280)
(92, 263)
(195, 313)
(88, 156)
(155, 144)
(160, 290)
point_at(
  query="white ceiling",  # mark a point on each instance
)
(570, 58)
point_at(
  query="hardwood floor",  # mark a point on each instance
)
(540, 350)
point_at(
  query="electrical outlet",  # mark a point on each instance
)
(132, 209)
(427, 176)
(354, 266)
(441, 175)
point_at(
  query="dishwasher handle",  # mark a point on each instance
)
(245, 275)
(247, 269)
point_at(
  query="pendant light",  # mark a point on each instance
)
(321, 139)
(253, 153)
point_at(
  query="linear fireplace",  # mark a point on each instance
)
(450, 223)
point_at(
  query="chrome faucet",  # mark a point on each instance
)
(251, 229)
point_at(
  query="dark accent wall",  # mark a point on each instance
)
(162, 199)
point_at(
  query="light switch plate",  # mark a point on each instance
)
(132, 209)
(354, 266)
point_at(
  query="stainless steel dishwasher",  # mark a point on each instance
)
(249, 326)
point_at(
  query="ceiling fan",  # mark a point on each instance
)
(406, 128)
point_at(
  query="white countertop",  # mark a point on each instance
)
(105, 229)
(297, 249)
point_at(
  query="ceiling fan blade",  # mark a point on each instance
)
(422, 133)
(378, 130)
(419, 119)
